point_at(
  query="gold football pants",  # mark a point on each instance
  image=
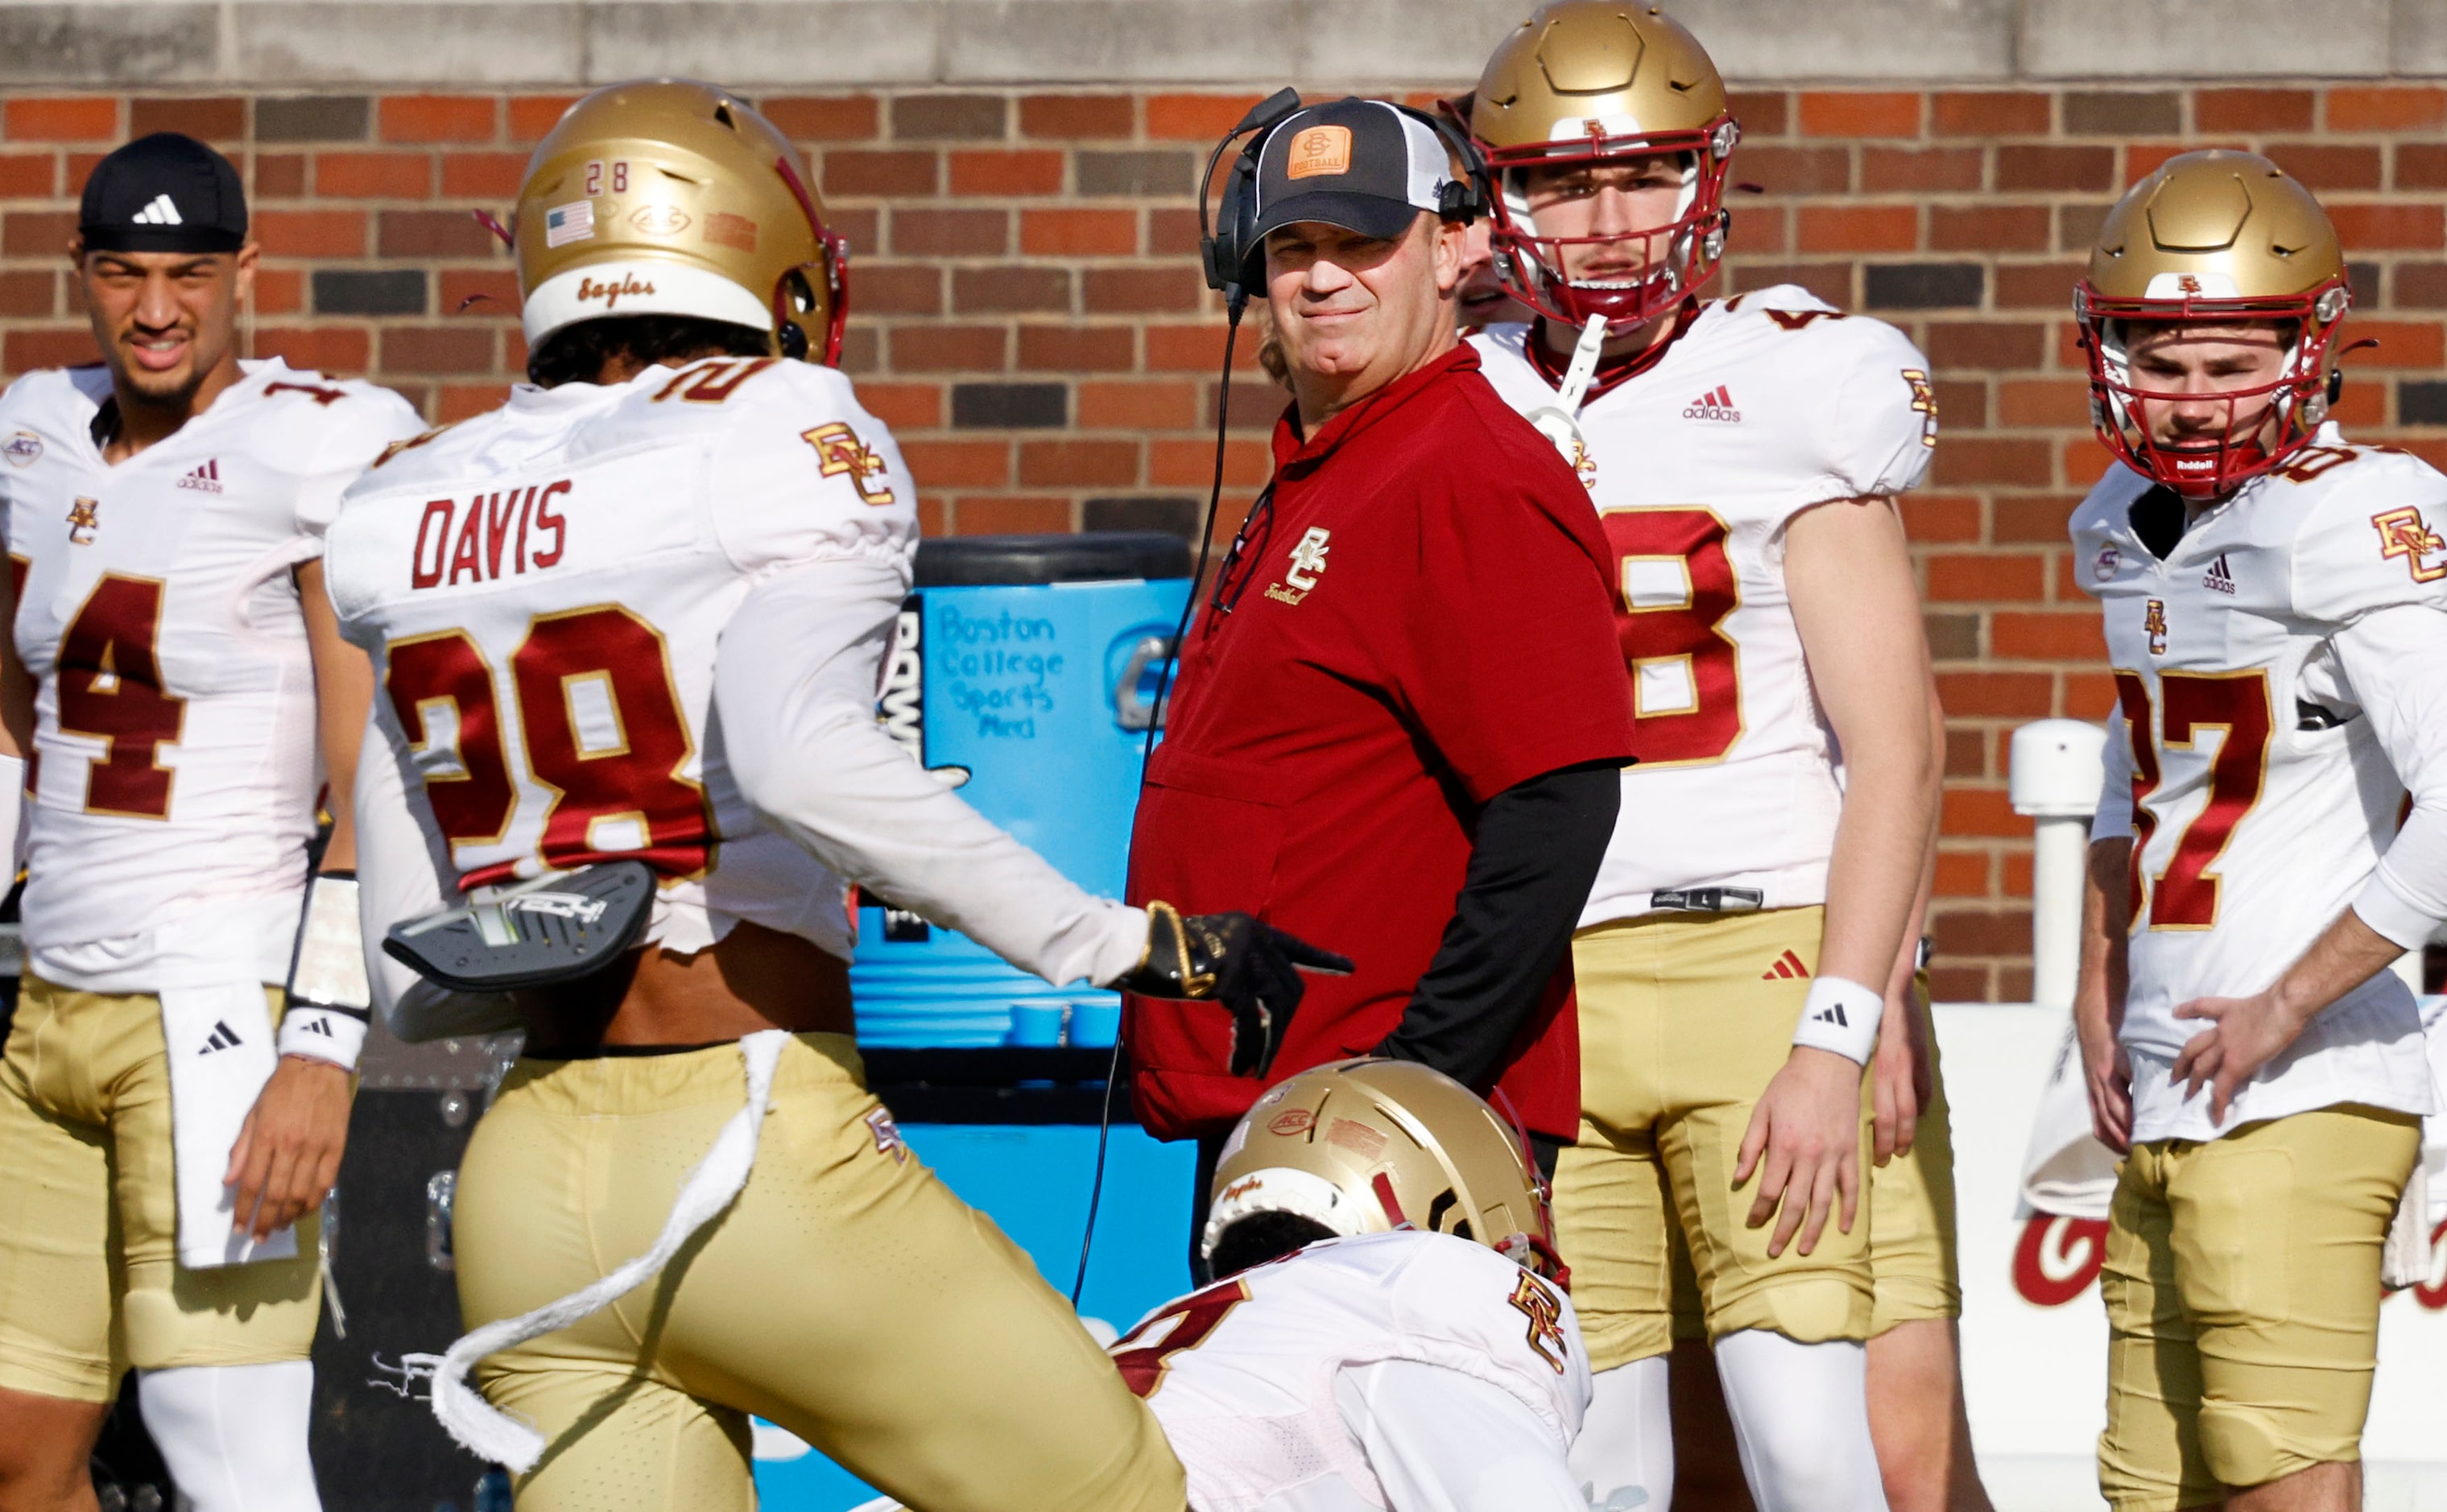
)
(2242, 1288)
(90, 1279)
(846, 1294)
(1684, 1019)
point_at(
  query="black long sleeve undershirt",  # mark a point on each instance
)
(1535, 856)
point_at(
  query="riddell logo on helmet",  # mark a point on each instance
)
(1320, 150)
(613, 292)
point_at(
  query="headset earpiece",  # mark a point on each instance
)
(1473, 194)
(1226, 248)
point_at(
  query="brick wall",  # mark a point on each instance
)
(1028, 317)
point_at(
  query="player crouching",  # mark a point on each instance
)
(2274, 597)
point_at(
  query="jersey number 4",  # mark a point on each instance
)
(110, 690)
(2185, 895)
(1678, 586)
(599, 725)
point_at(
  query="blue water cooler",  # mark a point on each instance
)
(1025, 674)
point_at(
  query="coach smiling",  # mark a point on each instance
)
(1401, 714)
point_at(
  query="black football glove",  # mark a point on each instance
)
(1252, 969)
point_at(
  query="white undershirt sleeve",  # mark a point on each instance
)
(1441, 1440)
(794, 699)
(2113, 818)
(2396, 659)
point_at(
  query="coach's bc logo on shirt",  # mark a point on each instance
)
(1544, 1310)
(2405, 533)
(1307, 565)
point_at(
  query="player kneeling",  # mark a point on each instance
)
(1389, 1327)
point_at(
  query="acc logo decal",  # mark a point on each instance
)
(2154, 621)
(660, 220)
(1925, 402)
(81, 521)
(839, 451)
(1308, 564)
(1297, 1120)
(2403, 533)
(2104, 568)
(23, 448)
(1544, 1310)
(1319, 150)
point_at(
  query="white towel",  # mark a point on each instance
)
(489, 1433)
(219, 1040)
(2066, 1171)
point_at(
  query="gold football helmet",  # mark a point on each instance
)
(668, 197)
(1367, 1146)
(1588, 81)
(2217, 238)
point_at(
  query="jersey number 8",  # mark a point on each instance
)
(599, 725)
(1678, 588)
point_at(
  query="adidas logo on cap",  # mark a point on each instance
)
(1715, 406)
(159, 211)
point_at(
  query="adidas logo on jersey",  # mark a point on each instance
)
(221, 1038)
(160, 211)
(206, 479)
(1717, 404)
(2218, 579)
(1788, 966)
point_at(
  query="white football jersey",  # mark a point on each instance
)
(2260, 795)
(542, 589)
(1242, 1374)
(176, 765)
(1769, 402)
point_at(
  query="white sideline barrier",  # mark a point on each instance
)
(2035, 1338)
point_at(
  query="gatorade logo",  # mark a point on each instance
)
(1319, 150)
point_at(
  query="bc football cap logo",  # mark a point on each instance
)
(1319, 150)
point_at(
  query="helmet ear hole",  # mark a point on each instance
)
(794, 342)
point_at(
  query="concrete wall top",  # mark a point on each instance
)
(485, 44)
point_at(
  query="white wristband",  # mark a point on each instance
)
(323, 1034)
(1841, 1016)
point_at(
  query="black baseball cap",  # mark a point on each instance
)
(164, 193)
(1362, 165)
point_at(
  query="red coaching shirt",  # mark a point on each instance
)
(1419, 618)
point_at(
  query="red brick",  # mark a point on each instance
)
(951, 233)
(958, 464)
(279, 176)
(933, 517)
(1980, 811)
(2419, 286)
(25, 349)
(311, 233)
(37, 233)
(25, 294)
(2325, 168)
(1950, 982)
(1762, 113)
(1072, 118)
(337, 350)
(947, 349)
(78, 118)
(1932, 516)
(478, 291)
(1859, 113)
(1011, 291)
(28, 176)
(1990, 113)
(988, 515)
(1859, 228)
(2377, 109)
(1885, 170)
(1973, 460)
(279, 290)
(850, 171)
(2401, 343)
(1962, 874)
(1078, 233)
(464, 347)
(1192, 464)
(1171, 233)
(1078, 463)
(433, 234)
(218, 118)
(1995, 694)
(1798, 170)
(1194, 349)
(2037, 286)
(2071, 635)
(373, 174)
(903, 406)
(1830, 281)
(1136, 291)
(2017, 874)
(2057, 168)
(838, 118)
(2393, 227)
(1006, 174)
(1962, 403)
(489, 175)
(1077, 349)
(1971, 577)
(2061, 404)
(2421, 165)
(2001, 932)
(897, 289)
(437, 118)
(456, 402)
(2251, 110)
(2082, 460)
(1967, 753)
(1137, 405)
(2142, 158)
(532, 117)
(1988, 228)
(1195, 117)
